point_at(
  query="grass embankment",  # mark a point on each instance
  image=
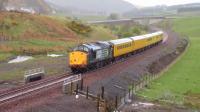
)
(181, 84)
(26, 34)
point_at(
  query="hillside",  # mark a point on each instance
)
(26, 34)
(193, 8)
(33, 6)
(180, 84)
(94, 6)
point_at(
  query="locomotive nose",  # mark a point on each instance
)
(77, 59)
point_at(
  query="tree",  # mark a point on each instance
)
(2, 2)
(113, 16)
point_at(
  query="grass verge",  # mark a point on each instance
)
(181, 83)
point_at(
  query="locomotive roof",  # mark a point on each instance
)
(120, 41)
(92, 46)
(103, 43)
(97, 45)
(159, 32)
(153, 34)
(138, 37)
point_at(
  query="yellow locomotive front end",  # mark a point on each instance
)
(78, 60)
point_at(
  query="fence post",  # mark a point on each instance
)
(76, 89)
(105, 106)
(71, 88)
(124, 96)
(102, 92)
(132, 91)
(140, 84)
(150, 78)
(116, 102)
(81, 84)
(147, 79)
(98, 100)
(87, 92)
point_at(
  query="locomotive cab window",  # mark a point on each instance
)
(81, 48)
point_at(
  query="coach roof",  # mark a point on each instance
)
(120, 41)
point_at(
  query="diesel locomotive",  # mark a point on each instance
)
(97, 54)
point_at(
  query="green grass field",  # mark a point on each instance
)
(181, 84)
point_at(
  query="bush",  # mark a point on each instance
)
(136, 31)
(79, 28)
(123, 31)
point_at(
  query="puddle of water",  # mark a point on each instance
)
(54, 55)
(146, 104)
(20, 59)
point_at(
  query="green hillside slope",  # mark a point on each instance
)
(181, 84)
(26, 34)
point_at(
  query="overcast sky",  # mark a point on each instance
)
(161, 2)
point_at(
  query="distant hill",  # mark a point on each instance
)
(32, 6)
(68, 7)
(94, 6)
(164, 10)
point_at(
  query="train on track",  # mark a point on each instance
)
(98, 54)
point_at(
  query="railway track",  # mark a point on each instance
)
(11, 95)
(36, 86)
(29, 88)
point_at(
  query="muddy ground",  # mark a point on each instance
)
(115, 78)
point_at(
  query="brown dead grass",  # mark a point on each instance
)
(54, 29)
(193, 100)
